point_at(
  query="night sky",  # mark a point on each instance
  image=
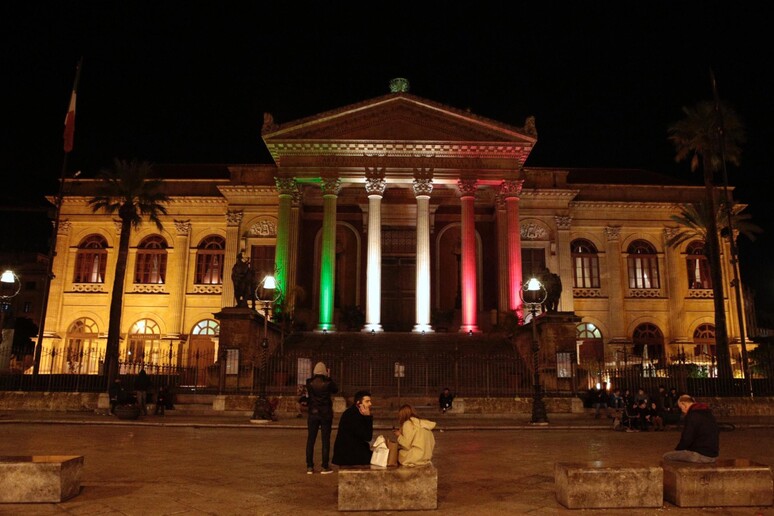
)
(188, 82)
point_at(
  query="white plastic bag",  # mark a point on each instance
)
(380, 452)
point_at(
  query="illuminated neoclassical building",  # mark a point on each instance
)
(416, 216)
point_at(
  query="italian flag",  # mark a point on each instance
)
(69, 124)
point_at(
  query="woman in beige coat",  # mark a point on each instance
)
(415, 438)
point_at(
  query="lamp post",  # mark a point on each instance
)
(9, 287)
(264, 293)
(533, 293)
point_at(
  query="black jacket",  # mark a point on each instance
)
(700, 433)
(319, 389)
(353, 439)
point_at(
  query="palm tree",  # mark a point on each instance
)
(693, 220)
(127, 189)
(700, 137)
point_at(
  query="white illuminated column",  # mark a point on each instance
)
(423, 186)
(375, 185)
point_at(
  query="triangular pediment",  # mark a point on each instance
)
(398, 117)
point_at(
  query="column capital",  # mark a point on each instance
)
(511, 187)
(330, 186)
(183, 227)
(467, 187)
(613, 232)
(563, 221)
(286, 185)
(375, 183)
(423, 181)
(670, 232)
(234, 217)
(64, 227)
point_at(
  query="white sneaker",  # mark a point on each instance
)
(326, 471)
(309, 471)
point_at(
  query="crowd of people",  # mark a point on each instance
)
(638, 411)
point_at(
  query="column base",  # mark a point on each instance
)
(469, 328)
(372, 328)
(325, 328)
(423, 328)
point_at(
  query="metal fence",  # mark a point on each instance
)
(408, 373)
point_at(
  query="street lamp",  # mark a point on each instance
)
(265, 294)
(533, 293)
(9, 287)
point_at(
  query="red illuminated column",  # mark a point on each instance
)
(510, 190)
(469, 299)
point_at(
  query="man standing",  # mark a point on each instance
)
(319, 389)
(700, 440)
(356, 428)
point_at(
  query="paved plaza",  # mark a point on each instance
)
(221, 465)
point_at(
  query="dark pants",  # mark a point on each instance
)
(313, 424)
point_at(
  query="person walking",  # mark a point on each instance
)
(320, 387)
(700, 439)
(356, 429)
(141, 386)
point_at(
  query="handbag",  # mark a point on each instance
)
(392, 458)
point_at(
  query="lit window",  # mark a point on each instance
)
(91, 260)
(209, 261)
(151, 266)
(643, 265)
(698, 266)
(585, 264)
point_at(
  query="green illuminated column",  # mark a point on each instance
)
(330, 190)
(286, 187)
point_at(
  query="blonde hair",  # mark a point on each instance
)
(405, 413)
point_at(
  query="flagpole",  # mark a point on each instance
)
(68, 145)
(736, 283)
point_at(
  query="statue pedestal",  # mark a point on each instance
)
(240, 330)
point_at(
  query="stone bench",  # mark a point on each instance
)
(39, 478)
(374, 488)
(601, 485)
(725, 483)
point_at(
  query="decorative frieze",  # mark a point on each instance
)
(234, 217)
(670, 233)
(208, 289)
(701, 293)
(88, 287)
(64, 227)
(148, 288)
(533, 231)
(263, 228)
(586, 293)
(650, 293)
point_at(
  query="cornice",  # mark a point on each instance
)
(427, 149)
(626, 205)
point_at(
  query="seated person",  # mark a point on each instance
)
(616, 401)
(118, 395)
(643, 416)
(356, 427)
(445, 400)
(415, 438)
(700, 439)
(655, 418)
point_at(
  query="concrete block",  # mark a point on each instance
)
(726, 483)
(373, 488)
(598, 485)
(39, 478)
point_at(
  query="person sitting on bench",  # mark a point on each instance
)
(700, 440)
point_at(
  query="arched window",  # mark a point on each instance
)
(143, 348)
(648, 342)
(643, 265)
(209, 261)
(207, 327)
(589, 343)
(704, 340)
(585, 264)
(151, 264)
(698, 266)
(91, 260)
(82, 351)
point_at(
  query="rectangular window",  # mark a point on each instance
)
(533, 261)
(262, 261)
